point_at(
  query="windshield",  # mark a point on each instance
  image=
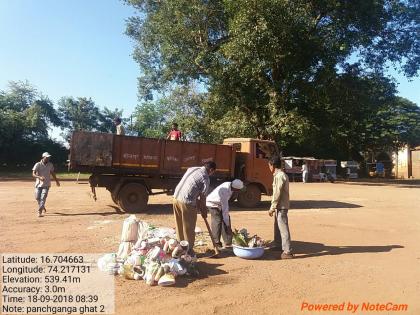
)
(265, 150)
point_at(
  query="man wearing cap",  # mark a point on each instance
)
(42, 171)
(218, 204)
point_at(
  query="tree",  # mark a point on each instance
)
(19, 96)
(78, 114)
(25, 118)
(106, 119)
(263, 61)
(151, 120)
(396, 124)
(184, 106)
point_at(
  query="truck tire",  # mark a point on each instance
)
(251, 197)
(115, 199)
(133, 197)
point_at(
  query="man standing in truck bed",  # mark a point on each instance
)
(119, 128)
(174, 134)
(189, 198)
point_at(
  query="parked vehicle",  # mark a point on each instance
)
(133, 168)
(293, 167)
(351, 169)
(328, 171)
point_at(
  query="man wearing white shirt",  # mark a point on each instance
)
(304, 172)
(218, 204)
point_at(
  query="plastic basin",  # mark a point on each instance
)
(248, 252)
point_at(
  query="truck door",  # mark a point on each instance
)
(262, 152)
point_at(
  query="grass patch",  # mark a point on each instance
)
(27, 174)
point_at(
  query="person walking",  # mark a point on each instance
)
(305, 172)
(217, 203)
(279, 208)
(189, 198)
(42, 171)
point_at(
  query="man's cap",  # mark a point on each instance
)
(46, 154)
(237, 184)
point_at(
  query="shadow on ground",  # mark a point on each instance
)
(104, 214)
(408, 183)
(205, 270)
(301, 204)
(309, 249)
(166, 208)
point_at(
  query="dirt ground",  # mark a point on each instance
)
(355, 243)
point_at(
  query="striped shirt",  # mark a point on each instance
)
(195, 181)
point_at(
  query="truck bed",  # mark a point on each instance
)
(113, 154)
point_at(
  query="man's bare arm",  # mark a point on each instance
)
(55, 178)
(35, 175)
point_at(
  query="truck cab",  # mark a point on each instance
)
(251, 166)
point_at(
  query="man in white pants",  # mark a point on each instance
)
(305, 172)
(218, 204)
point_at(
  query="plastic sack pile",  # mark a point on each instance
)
(242, 238)
(150, 254)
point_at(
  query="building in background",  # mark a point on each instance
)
(407, 163)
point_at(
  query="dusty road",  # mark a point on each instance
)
(353, 243)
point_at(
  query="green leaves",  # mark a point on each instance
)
(275, 68)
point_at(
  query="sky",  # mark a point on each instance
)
(70, 48)
(78, 48)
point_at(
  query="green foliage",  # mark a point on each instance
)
(182, 106)
(25, 114)
(396, 124)
(81, 113)
(277, 69)
(150, 120)
(78, 114)
(106, 119)
(25, 118)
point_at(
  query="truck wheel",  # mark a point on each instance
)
(234, 197)
(251, 197)
(133, 197)
(114, 199)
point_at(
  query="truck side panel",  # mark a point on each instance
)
(190, 155)
(225, 160)
(135, 152)
(112, 154)
(178, 156)
(172, 157)
(91, 149)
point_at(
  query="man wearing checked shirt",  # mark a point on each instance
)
(189, 198)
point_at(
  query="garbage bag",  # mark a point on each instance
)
(124, 250)
(130, 230)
